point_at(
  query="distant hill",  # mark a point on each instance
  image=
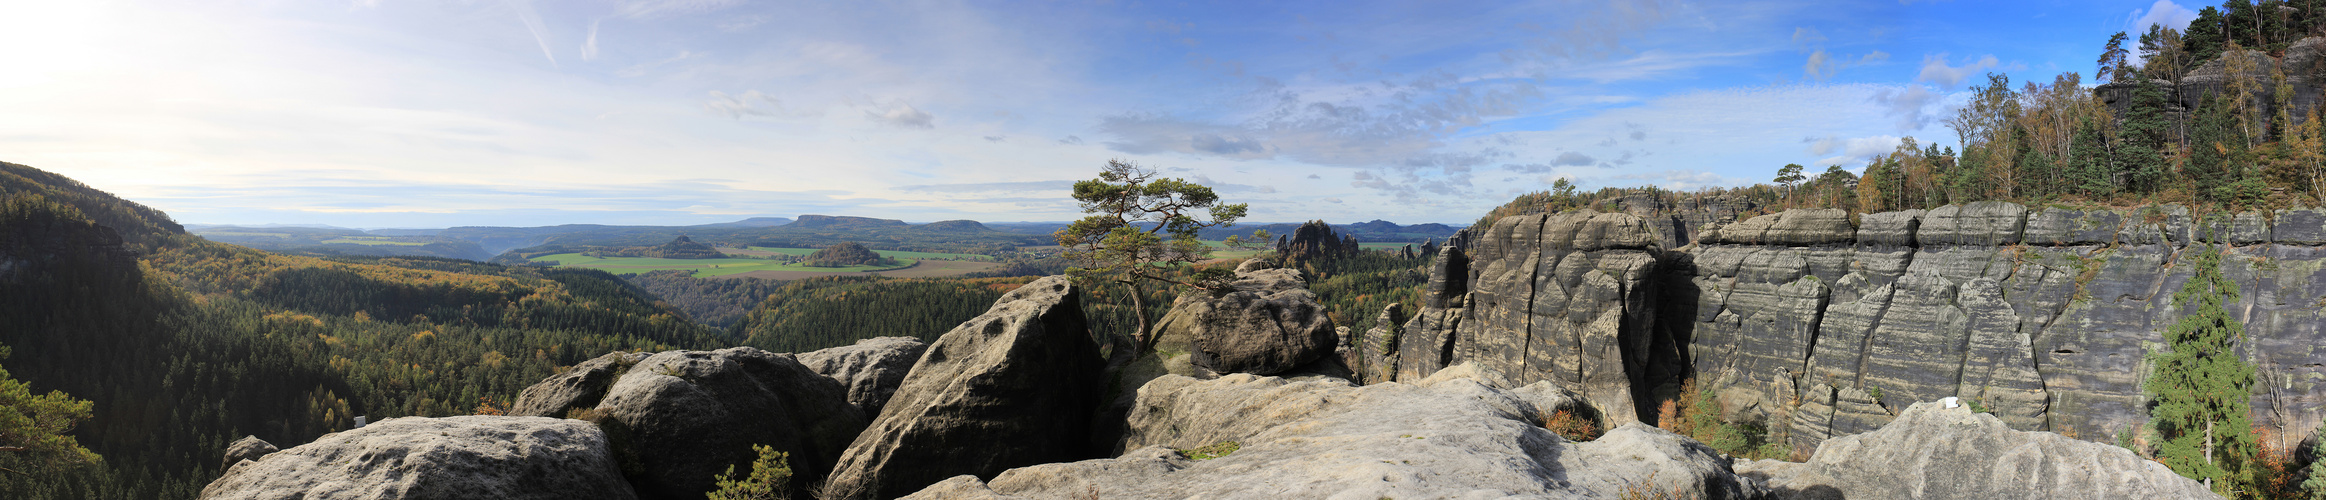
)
(331, 241)
(953, 226)
(844, 222)
(752, 222)
(1371, 231)
(844, 254)
(683, 248)
(138, 224)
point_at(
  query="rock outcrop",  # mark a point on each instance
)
(1935, 452)
(2300, 64)
(871, 369)
(1013, 387)
(1815, 328)
(579, 387)
(425, 458)
(1564, 298)
(1268, 324)
(247, 448)
(1465, 434)
(691, 414)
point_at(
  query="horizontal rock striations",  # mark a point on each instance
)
(1816, 323)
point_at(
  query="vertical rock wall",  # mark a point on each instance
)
(1818, 323)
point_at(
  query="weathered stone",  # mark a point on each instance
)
(871, 368)
(1013, 387)
(1377, 348)
(1267, 324)
(247, 448)
(2054, 226)
(1463, 434)
(579, 387)
(2300, 227)
(1889, 229)
(691, 414)
(1803, 227)
(452, 457)
(1985, 223)
(1942, 453)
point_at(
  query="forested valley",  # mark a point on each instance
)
(184, 345)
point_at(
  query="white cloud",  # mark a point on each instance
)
(1936, 70)
(2163, 12)
(901, 115)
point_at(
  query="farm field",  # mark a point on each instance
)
(802, 252)
(927, 269)
(703, 267)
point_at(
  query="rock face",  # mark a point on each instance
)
(453, 457)
(1465, 434)
(1270, 323)
(579, 387)
(2043, 315)
(871, 369)
(1564, 298)
(1013, 387)
(2300, 64)
(247, 448)
(691, 414)
(1935, 452)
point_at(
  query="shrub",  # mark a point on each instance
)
(769, 474)
(1573, 425)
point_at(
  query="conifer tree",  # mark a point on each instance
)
(2139, 159)
(2213, 143)
(2112, 61)
(2314, 488)
(2205, 38)
(2088, 162)
(2202, 390)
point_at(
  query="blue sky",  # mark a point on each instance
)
(390, 113)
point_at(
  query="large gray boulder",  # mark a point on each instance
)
(247, 448)
(691, 414)
(1934, 452)
(1460, 434)
(871, 369)
(1013, 387)
(432, 458)
(579, 387)
(1266, 323)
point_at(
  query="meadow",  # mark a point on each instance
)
(907, 262)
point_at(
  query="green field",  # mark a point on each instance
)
(373, 240)
(884, 253)
(702, 267)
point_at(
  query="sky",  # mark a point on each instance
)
(438, 113)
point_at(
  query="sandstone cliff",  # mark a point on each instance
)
(1822, 324)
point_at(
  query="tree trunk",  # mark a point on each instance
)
(1143, 340)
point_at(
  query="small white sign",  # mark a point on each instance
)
(1950, 401)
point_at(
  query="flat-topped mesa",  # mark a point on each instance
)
(1818, 323)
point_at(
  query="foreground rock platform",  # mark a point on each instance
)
(432, 458)
(1464, 434)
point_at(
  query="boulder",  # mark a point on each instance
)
(247, 448)
(452, 457)
(870, 369)
(1013, 387)
(1461, 434)
(1265, 324)
(579, 387)
(1935, 452)
(690, 414)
